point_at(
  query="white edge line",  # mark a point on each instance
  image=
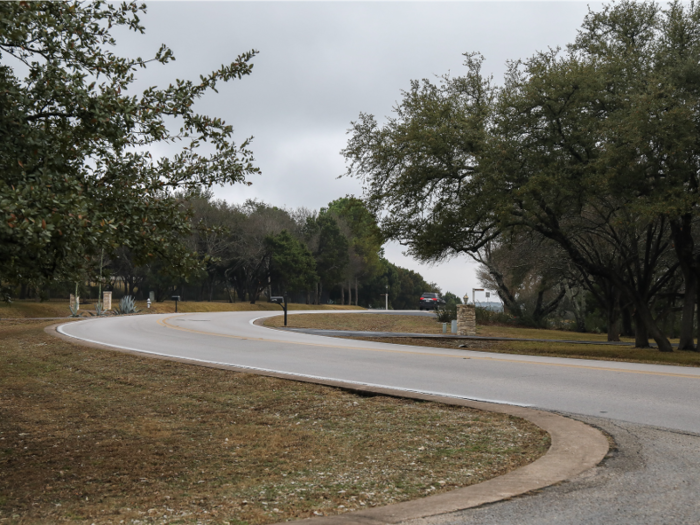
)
(60, 330)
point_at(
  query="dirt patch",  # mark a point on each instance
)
(94, 436)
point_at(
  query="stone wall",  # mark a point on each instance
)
(466, 319)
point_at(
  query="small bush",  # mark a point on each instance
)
(6, 294)
(99, 309)
(485, 316)
(127, 305)
(446, 313)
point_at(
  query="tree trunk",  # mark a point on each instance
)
(357, 302)
(342, 293)
(240, 292)
(684, 246)
(647, 326)
(614, 318)
(688, 317)
(509, 301)
(578, 304)
(542, 311)
(662, 342)
(627, 328)
(641, 336)
(697, 310)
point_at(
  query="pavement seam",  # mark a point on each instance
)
(575, 448)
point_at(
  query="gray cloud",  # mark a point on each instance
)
(321, 64)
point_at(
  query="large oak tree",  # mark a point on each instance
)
(594, 148)
(76, 172)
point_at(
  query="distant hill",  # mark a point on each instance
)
(490, 305)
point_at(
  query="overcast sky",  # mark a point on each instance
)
(321, 64)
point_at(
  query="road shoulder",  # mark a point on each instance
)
(576, 447)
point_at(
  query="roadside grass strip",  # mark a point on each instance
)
(59, 308)
(426, 325)
(99, 436)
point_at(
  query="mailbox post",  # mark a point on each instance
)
(176, 298)
(282, 301)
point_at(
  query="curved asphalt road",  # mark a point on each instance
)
(652, 478)
(662, 396)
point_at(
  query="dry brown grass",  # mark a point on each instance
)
(426, 325)
(94, 436)
(59, 308)
(412, 324)
(577, 351)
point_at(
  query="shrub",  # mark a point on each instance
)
(485, 316)
(446, 313)
(99, 309)
(127, 305)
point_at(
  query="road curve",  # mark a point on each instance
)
(656, 395)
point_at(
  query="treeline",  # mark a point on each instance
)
(83, 200)
(251, 251)
(335, 255)
(540, 287)
(577, 177)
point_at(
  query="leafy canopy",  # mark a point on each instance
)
(77, 172)
(595, 148)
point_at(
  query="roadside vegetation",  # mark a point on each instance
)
(572, 180)
(59, 308)
(85, 208)
(94, 436)
(428, 325)
(370, 322)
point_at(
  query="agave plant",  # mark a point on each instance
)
(127, 305)
(99, 309)
(74, 310)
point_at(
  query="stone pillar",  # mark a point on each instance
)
(74, 301)
(466, 319)
(106, 301)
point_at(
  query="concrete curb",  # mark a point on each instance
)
(575, 448)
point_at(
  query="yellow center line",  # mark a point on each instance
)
(164, 322)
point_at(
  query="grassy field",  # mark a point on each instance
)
(94, 436)
(427, 325)
(59, 308)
